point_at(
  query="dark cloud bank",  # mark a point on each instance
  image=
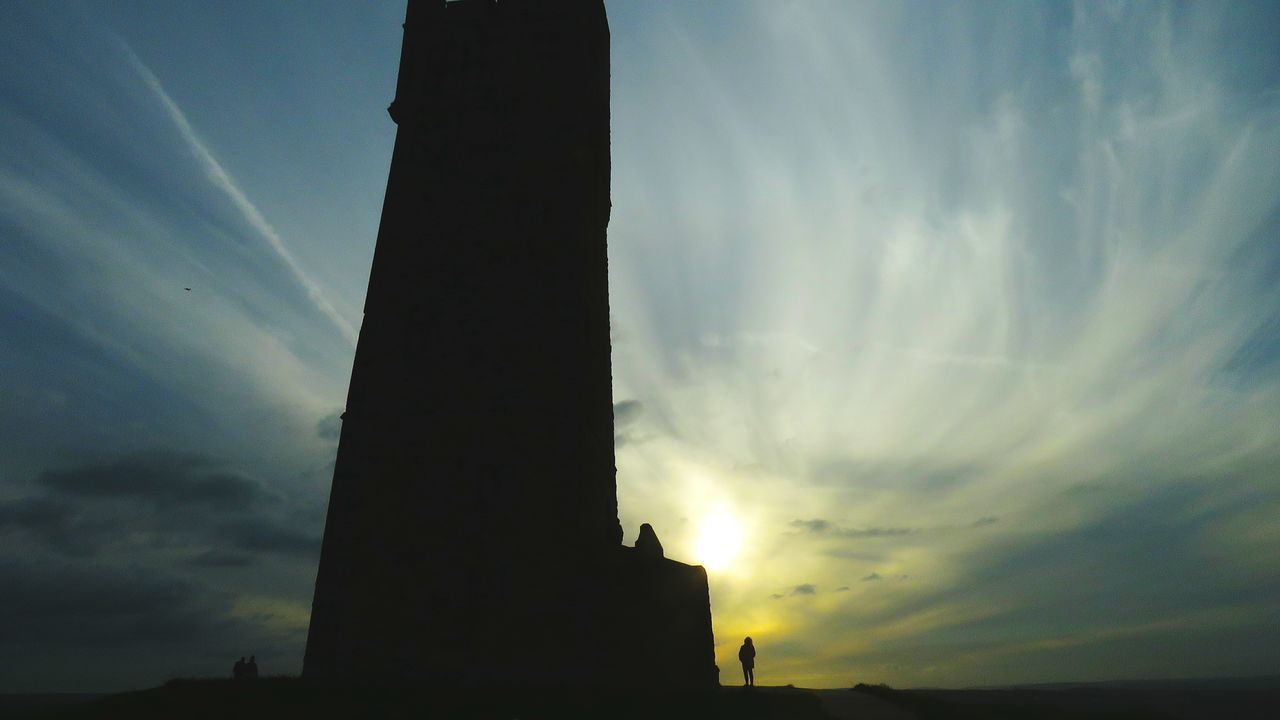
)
(625, 413)
(129, 558)
(154, 501)
(818, 526)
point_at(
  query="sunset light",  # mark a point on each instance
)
(719, 540)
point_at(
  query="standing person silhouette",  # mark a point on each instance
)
(747, 656)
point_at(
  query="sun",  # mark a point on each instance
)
(719, 539)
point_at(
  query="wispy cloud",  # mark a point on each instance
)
(219, 176)
(911, 275)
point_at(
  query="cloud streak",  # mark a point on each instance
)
(219, 176)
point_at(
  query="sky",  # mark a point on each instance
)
(946, 335)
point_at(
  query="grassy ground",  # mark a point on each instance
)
(287, 698)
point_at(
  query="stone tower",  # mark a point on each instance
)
(474, 509)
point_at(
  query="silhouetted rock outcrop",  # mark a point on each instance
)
(647, 544)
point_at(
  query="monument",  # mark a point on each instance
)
(472, 533)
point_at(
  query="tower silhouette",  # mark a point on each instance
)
(473, 515)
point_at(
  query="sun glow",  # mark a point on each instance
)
(719, 539)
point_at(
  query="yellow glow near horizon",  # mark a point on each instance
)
(719, 539)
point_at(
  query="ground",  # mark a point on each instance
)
(278, 698)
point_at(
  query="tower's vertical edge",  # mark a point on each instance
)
(475, 470)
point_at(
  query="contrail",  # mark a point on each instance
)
(223, 180)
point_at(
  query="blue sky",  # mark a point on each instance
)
(945, 334)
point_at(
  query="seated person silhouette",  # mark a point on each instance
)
(747, 656)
